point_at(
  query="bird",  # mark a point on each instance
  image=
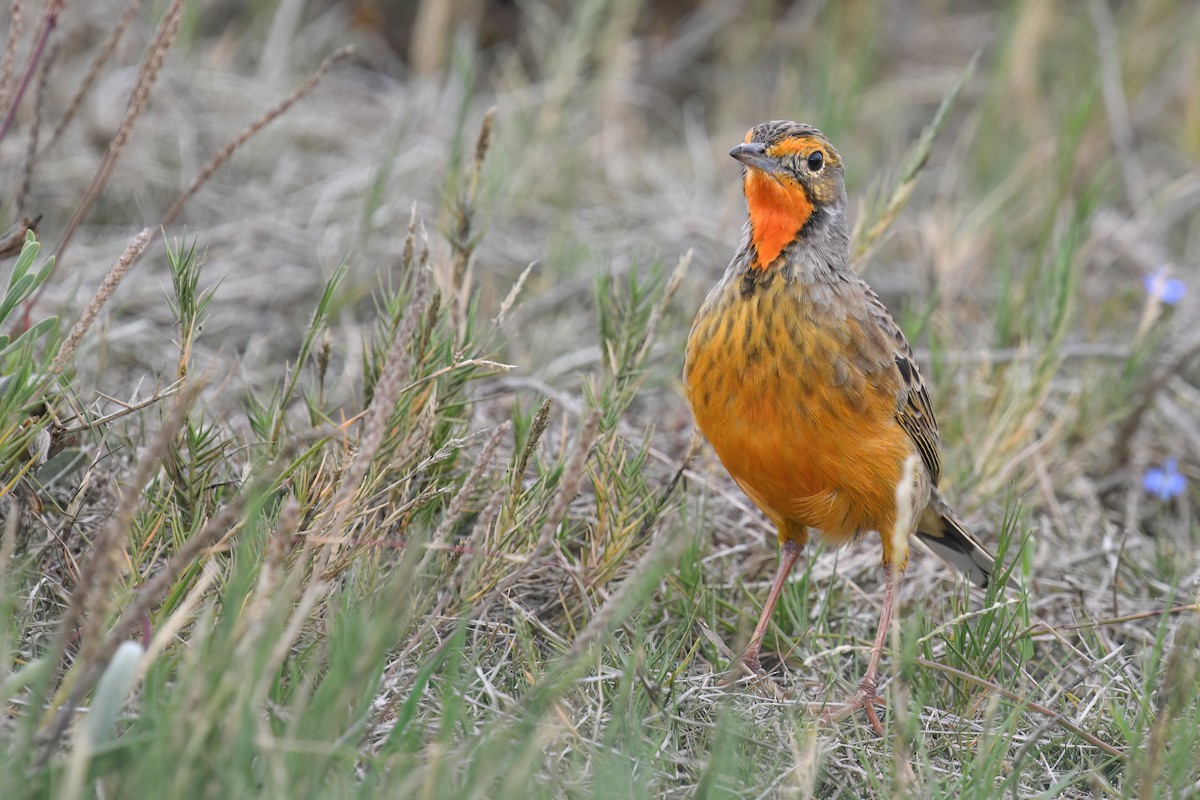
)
(808, 390)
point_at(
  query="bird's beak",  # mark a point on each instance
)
(754, 154)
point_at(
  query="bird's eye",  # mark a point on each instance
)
(816, 161)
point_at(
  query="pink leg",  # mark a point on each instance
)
(867, 696)
(787, 560)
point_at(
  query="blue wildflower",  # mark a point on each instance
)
(1166, 482)
(1166, 290)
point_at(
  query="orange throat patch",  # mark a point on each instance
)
(778, 212)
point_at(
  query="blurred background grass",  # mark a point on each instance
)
(365, 557)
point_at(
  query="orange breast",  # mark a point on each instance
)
(808, 435)
(778, 212)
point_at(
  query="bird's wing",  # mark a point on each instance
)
(914, 412)
(940, 529)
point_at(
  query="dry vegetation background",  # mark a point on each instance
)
(372, 476)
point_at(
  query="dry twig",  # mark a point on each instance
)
(49, 22)
(93, 72)
(273, 113)
(164, 37)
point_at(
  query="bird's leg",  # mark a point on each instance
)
(867, 696)
(787, 560)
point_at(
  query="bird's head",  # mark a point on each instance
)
(793, 182)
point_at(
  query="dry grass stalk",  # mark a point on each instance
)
(127, 407)
(107, 287)
(452, 514)
(1175, 362)
(39, 91)
(169, 631)
(397, 369)
(110, 45)
(479, 534)
(10, 49)
(268, 577)
(8, 544)
(915, 160)
(1058, 719)
(1178, 678)
(287, 18)
(458, 579)
(458, 502)
(420, 437)
(470, 362)
(151, 592)
(665, 549)
(410, 238)
(1120, 125)
(514, 293)
(462, 241)
(152, 63)
(266, 119)
(568, 486)
(49, 22)
(108, 550)
(656, 314)
(541, 420)
(92, 593)
(392, 379)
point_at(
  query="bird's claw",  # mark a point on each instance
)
(753, 665)
(865, 698)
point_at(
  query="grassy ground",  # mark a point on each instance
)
(367, 470)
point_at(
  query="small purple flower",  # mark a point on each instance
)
(1166, 482)
(1166, 290)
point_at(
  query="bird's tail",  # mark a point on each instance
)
(945, 534)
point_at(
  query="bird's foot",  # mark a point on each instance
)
(752, 666)
(748, 666)
(865, 698)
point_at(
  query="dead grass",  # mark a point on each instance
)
(368, 559)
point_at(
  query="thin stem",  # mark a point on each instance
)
(1057, 718)
(787, 560)
(49, 22)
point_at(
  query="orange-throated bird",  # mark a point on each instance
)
(808, 390)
